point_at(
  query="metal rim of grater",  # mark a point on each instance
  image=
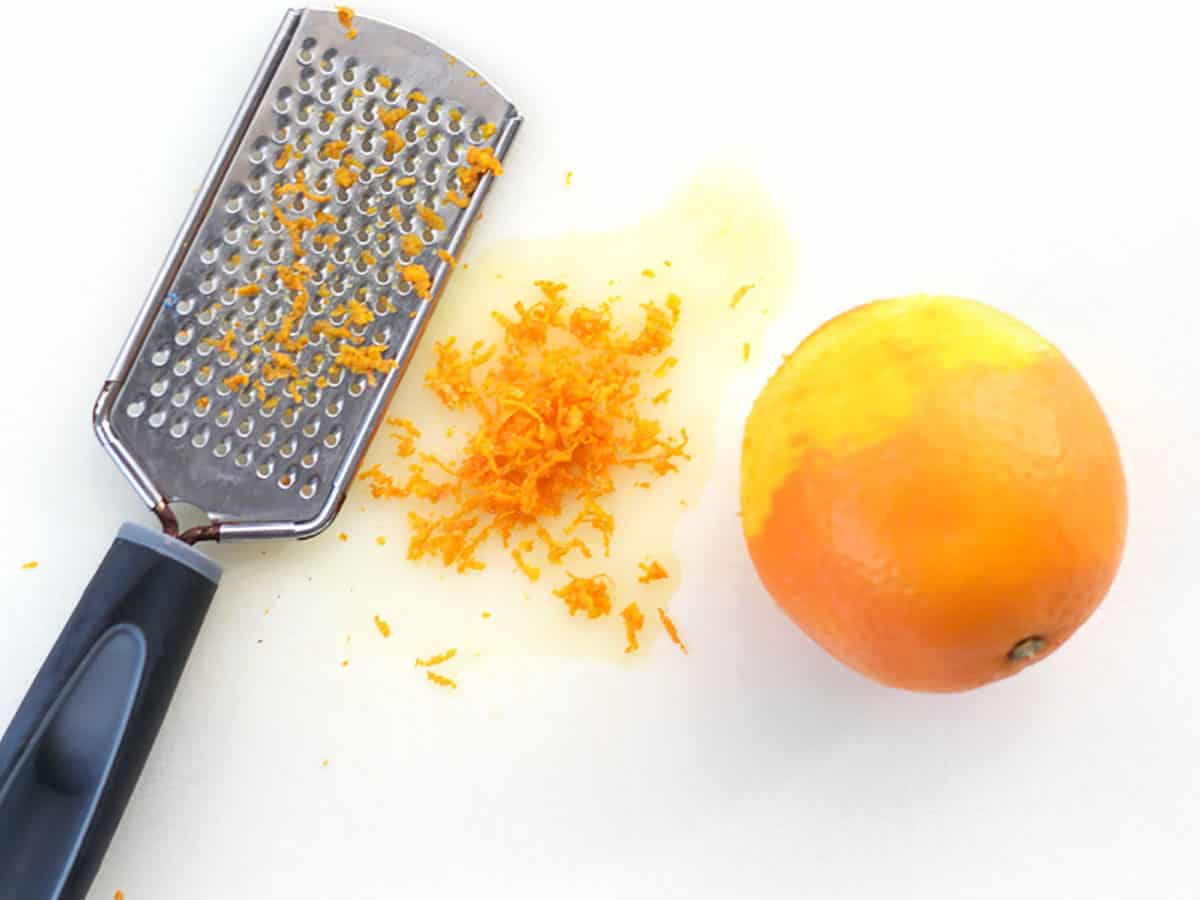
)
(284, 471)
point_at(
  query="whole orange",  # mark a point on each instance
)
(931, 491)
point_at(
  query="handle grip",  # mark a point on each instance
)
(73, 753)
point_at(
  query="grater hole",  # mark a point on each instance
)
(267, 438)
(333, 438)
(288, 448)
(265, 468)
(180, 397)
(160, 356)
(288, 478)
(222, 447)
(157, 418)
(201, 437)
(178, 429)
(182, 367)
(204, 375)
(309, 489)
(258, 152)
(245, 427)
(200, 407)
(233, 204)
(185, 306)
(224, 417)
(243, 457)
(357, 386)
(283, 100)
(136, 408)
(332, 409)
(158, 387)
(310, 458)
(311, 427)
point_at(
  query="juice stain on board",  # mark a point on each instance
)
(717, 235)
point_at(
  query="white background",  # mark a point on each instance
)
(1044, 157)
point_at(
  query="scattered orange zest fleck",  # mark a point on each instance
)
(667, 365)
(487, 129)
(746, 352)
(441, 680)
(634, 620)
(411, 245)
(672, 631)
(384, 628)
(32, 564)
(447, 258)
(652, 571)
(438, 658)
(418, 277)
(383, 81)
(589, 595)
(343, 536)
(647, 273)
(662, 396)
(570, 174)
(457, 199)
(346, 18)
(530, 572)
(393, 143)
(739, 294)
(430, 218)
(389, 117)
(480, 161)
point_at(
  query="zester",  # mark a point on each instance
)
(249, 387)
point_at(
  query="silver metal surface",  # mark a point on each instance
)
(273, 457)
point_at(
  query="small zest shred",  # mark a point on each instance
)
(381, 540)
(406, 181)
(652, 571)
(389, 117)
(441, 680)
(667, 365)
(457, 199)
(418, 277)
(746, 352)
(437, 659)
(418, 97)
(411, 245)
(447, 258)
(570, 174)
(119, 895)
(647, 273)
(384, 628)
(589, 595)
(480, 161)
(661, 396)
(343, 536)
(383, 81)
(32, 564)
(430, 218)
(671, 630)
(346, 18)
(530, 572)
(248, 290)
(634, 620)
(739, 294)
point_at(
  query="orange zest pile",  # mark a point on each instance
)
(557, 404)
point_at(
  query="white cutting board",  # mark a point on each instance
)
(1039, 156)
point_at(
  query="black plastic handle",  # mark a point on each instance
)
(73, 753)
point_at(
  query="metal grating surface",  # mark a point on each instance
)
(206, 411)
